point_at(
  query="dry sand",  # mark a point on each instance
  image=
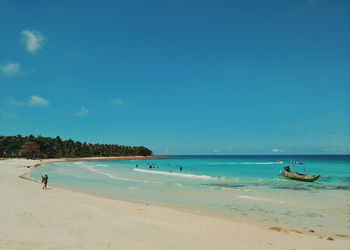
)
(32, 218)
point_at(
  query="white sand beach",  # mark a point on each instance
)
(32, 218)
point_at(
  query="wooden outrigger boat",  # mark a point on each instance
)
(290, 174)
(300, 177)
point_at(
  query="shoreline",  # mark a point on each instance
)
(178, 223)
(107, 158)
(278, 227)
(102, 158)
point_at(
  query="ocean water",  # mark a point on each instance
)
(248, 187)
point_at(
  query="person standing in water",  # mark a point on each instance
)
(44, 180)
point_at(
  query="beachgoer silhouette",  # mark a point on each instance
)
(137, 166)
(44, 180)
(180, 168)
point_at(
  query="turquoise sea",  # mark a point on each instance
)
(248, 187)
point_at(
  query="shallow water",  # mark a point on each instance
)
(242, 186)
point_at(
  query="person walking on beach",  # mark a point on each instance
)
(44, 180)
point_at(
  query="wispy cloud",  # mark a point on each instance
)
(7, 114)
(10, 69)
(276, 150)
(118, 101)
(83, 112)
(36, 100)
(14, 102)
(33, 40)
(33, 101)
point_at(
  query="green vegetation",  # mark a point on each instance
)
(45, 147)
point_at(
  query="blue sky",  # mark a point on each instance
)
(180, 77)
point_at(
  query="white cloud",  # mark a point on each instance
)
(276, 150)
(10, 69)
(83, 112)
(118, 101)
(33, 40)
(36, 100)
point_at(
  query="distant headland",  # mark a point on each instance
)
(38, 147)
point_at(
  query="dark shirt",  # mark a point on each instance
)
(45, 179)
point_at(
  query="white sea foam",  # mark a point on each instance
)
(101, 165)
(242, 163)
(91, 168)
(248, 197)
(193, 176)
(78, 163)
(111, 176)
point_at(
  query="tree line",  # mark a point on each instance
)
(35, 147)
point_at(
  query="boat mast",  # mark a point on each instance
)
(292, 165)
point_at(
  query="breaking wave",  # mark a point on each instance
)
(243, 163)
(193, 176)
(111, 176)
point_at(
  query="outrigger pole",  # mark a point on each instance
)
(292, 164)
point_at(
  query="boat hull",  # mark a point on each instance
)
(300, 177)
